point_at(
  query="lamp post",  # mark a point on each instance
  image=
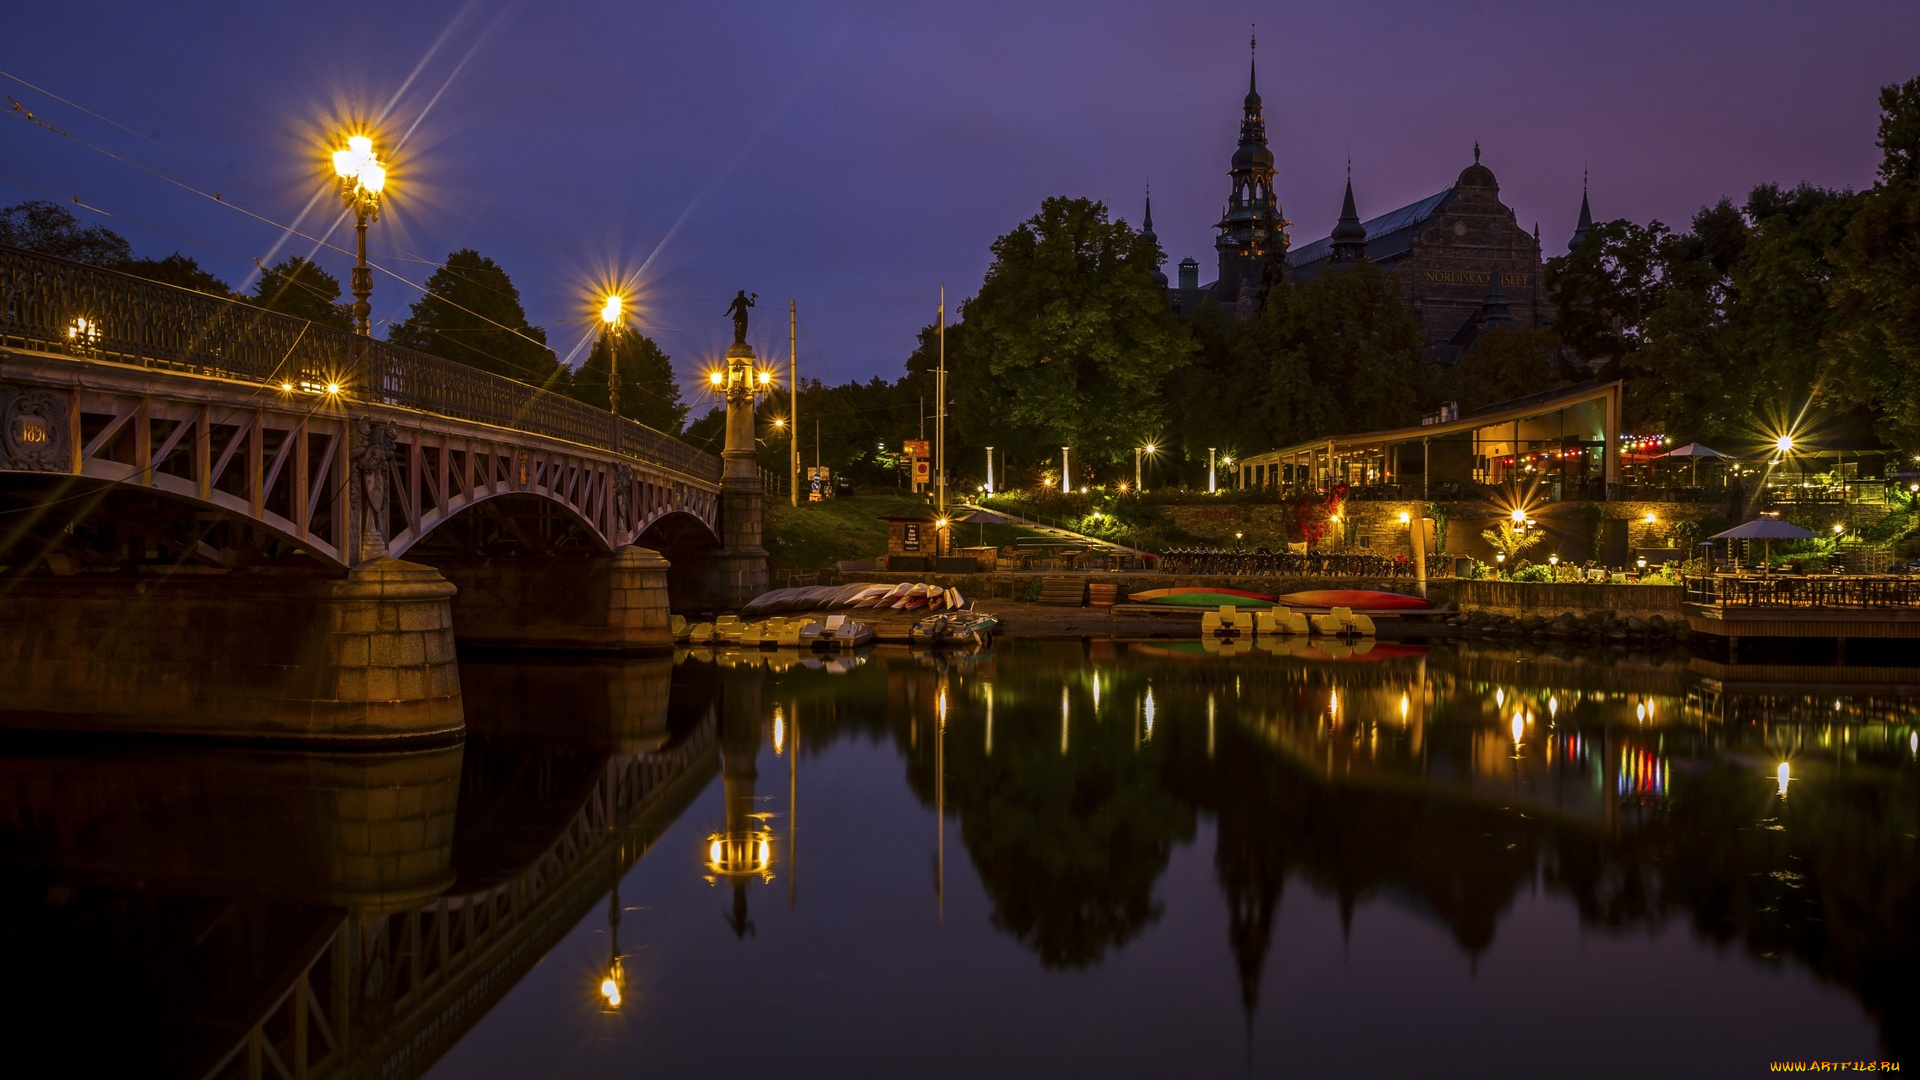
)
(1066, 474)
(989, 470)
(1212, 480)
(1137, 452)
(610, 323)
(363, 177)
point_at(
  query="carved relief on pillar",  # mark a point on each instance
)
(372, 456)
(34, 432)
(622, 496)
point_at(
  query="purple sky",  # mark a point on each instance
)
(854, 156)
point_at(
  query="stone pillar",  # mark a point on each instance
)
(368, 658)
(563, 603)
(740, 570)
(390, 651)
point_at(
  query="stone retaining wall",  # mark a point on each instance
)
(1520, 598)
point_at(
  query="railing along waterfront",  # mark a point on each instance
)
(1882, 591)
(49, 303)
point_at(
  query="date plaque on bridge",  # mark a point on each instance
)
(34, 433)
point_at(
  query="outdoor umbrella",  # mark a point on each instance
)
(1695, 451)
(1766, 530)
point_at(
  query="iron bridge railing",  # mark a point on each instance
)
(49, 303)
(1874, 591)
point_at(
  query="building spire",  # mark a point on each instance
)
(1147, 234)
(1349, 236)
(1253, 55)
(1585, 225)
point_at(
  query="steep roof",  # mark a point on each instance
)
(1389, 236)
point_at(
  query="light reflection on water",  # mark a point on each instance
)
(1056, 858)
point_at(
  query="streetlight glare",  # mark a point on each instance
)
(1784, 444)
(1519, 515)
(610, 311)
(716, 377)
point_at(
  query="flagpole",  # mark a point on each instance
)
(940, 415)
(793, 394)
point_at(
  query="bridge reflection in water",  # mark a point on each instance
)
(231, 913)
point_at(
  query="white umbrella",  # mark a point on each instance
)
(1696, 451)
(1766, 530)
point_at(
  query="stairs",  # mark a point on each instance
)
(1067, 592)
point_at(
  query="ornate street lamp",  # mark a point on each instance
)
(610, 322)
(363, 177)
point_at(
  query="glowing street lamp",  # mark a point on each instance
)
(363, 180)
(610, 319)
(1149, 451)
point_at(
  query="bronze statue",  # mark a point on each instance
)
(738, 309)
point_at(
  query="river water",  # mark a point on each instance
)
(1050, 859)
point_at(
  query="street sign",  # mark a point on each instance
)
(922, 470)
(917, 448)
(819, 485)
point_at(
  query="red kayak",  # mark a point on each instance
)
(1357, 599)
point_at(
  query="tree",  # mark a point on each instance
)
(181, 271)
(300, 288)
(1510, 539)
(472, 315)
(1605, 289)
(1504, 364)
(1067, 342)
(649, 392)
(50, 229)
(1339, 353)
(1873, 349)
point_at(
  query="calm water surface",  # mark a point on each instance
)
(1055, 859)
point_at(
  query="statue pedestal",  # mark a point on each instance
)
(739, 571)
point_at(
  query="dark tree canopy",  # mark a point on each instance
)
(51, 229)
(1505, 364)
(649, 392)
(1067, 340)
(300, 288)
(472, 315)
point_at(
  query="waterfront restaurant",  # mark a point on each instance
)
(1563, 442)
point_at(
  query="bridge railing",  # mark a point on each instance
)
(53, 304)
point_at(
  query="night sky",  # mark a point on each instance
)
(853, 156)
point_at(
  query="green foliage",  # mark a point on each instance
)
(1442, 515)
(1509, 539)
(178, 270)
(649, 392)
(51, 229)
(1505, 364)
(1339, 353)
(294, 286)
(1067, 340)
(1532, 572)
(813, 536)
(472, 315)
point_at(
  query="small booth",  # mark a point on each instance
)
(918, 538)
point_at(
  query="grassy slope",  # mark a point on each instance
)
(815, 535)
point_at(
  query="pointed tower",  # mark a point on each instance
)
(1147, 234)
(1495, 312)
(1585, 226)
(1349, 236)
(1252, 232)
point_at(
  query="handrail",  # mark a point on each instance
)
(1875, 591)
(89, 312)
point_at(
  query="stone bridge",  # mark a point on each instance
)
(205, 508)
